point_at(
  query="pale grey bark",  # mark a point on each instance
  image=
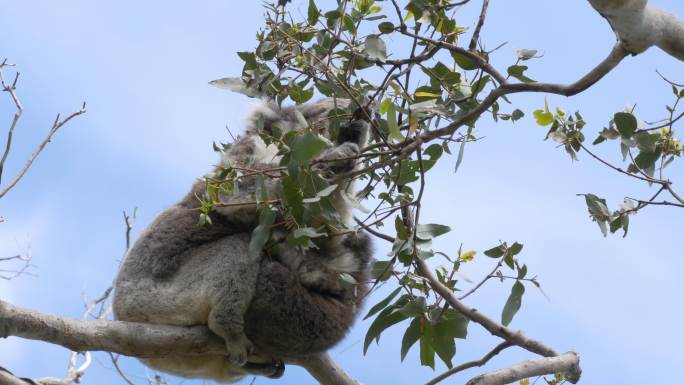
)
(135, 340)
(565, 363)
(640, 26)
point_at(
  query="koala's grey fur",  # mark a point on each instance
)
(179, 273)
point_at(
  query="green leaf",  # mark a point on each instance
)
(517, 115)
(388, 317)
(405, 172)
(386, 27)
(382, 304)
(429, 231)
(349, 24)
(522, 271)
(543, 118)
(313, 13)
(461, 153)
(647, 142)
(411, 335)
(597, 206)
(381, 270)
(305, 147)
(332, 17)
(646, 160)
(321, 194)
(414, 307)
(262, 233)
(626, 123)
(392, 123)
(375, 48)
(464, 61)
(235, 85)
(452, 324)
(400, 227)
(479, 85)
(293, 196)
(513, 303)
(299, 95)
(348, 280)
(308, 232)
(427, 353)
(444, 346)
(517, 71)
(302, 236)
(435, 151)
(495, 252)
(515, 248)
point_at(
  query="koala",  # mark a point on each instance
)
(265, 307)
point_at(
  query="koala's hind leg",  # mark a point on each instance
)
(231, 280)
(226, 320)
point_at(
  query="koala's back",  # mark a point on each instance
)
(185, 297)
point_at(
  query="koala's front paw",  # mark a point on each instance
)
(238, 348)
(338, 160)
(354, 132)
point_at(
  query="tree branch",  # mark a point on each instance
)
(592, 77)
(639, 26)
(498, 349)
(565, 363)
(138, 340)
(55, 127)
(325, 370)
(495, 328)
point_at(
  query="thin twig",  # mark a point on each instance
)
(478, 27)
(55, 127)
(471, 364)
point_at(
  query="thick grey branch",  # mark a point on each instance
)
(639, 26)
(137, 340)
(325, 370)
(128, 338)
(7, 378)
(565, 363)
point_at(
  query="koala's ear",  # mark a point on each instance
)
(355, 131)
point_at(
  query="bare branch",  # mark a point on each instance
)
(478, 27)
(482, 282)
(592, 77)
(639, 26)
(138, 339)
(20, 109)
(55, 127)
(565, 363)
(495, 328)
(498, 349)
(8, 378)
(325, 370)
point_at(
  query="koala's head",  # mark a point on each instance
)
(335, 119)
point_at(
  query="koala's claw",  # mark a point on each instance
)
(273, 369)
(238, 349)
(278, 369)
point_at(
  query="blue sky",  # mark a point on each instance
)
(143, 68)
